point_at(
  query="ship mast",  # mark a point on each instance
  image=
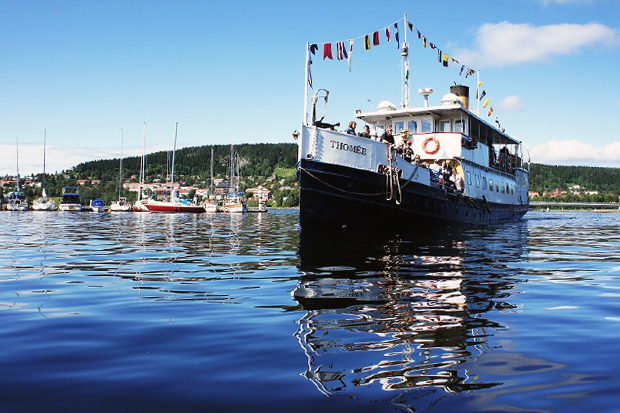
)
(405, 68)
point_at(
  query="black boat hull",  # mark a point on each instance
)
(333, 196)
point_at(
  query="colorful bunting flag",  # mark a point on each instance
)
(445, 60)
(339, 54)
(424, 41)
(483, 94)
(486, 102)
(410, 26)
(375, 40)
(367, 42)
(327, 51)
(387, 33)
(396, 35)
(490, 111)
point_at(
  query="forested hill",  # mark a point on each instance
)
(263, 159)
(256, 160)
(550, 177)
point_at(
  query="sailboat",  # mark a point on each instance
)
(233, 203)
(44, 203)
(122, 205)
(140, 204)
(174, 204)
(16, 201)
(209, 205)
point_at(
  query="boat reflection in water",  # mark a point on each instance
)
(403, 313)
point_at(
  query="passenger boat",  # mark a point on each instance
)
(44, 203)
(357, 182)
(174, 204)
(97, 205)
(70, 199)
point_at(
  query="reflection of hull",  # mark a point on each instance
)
(172, 207)
(397, 313)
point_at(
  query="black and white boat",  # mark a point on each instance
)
(359, 182)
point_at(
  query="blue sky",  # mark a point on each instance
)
(233, 72)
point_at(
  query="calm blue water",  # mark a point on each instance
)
(158, 313)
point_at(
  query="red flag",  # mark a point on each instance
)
(327, 51)
(387, 33)
(376, 39)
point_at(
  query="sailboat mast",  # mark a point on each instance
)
(17, 152)
(211, 184)
(120, 174)
(142, 164)
(174, 150)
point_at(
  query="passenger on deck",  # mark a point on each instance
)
(435, 171)
(417, 160)
(408, 152)
(387, 137)
(366, 133)
(352, 126)
(457, 180)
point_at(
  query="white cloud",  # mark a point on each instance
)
(506, 43)
(57, 158)
(511, 103)
(574, 152)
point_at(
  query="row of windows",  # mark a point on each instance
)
(502, 187)
(426, 125)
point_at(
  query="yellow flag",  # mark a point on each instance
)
(486, 102)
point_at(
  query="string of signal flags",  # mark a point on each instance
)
(344, 51)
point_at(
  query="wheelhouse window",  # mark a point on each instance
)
(458, 125)
(444, 126)
(427, 125)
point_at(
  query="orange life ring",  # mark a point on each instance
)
(436, 144)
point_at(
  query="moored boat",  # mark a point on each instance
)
(97, 205)
(16, 201)
(352, 181)
(70, 199)
(121, 205)
(174, 204)
(44, 203)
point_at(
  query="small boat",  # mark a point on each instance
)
(351, 181)
(44, 203)
(121, 205)
(97, 205)
(210, 207)
(174, 204)
(16, 201)
(70, 199)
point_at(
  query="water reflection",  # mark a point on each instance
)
(404, 312)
